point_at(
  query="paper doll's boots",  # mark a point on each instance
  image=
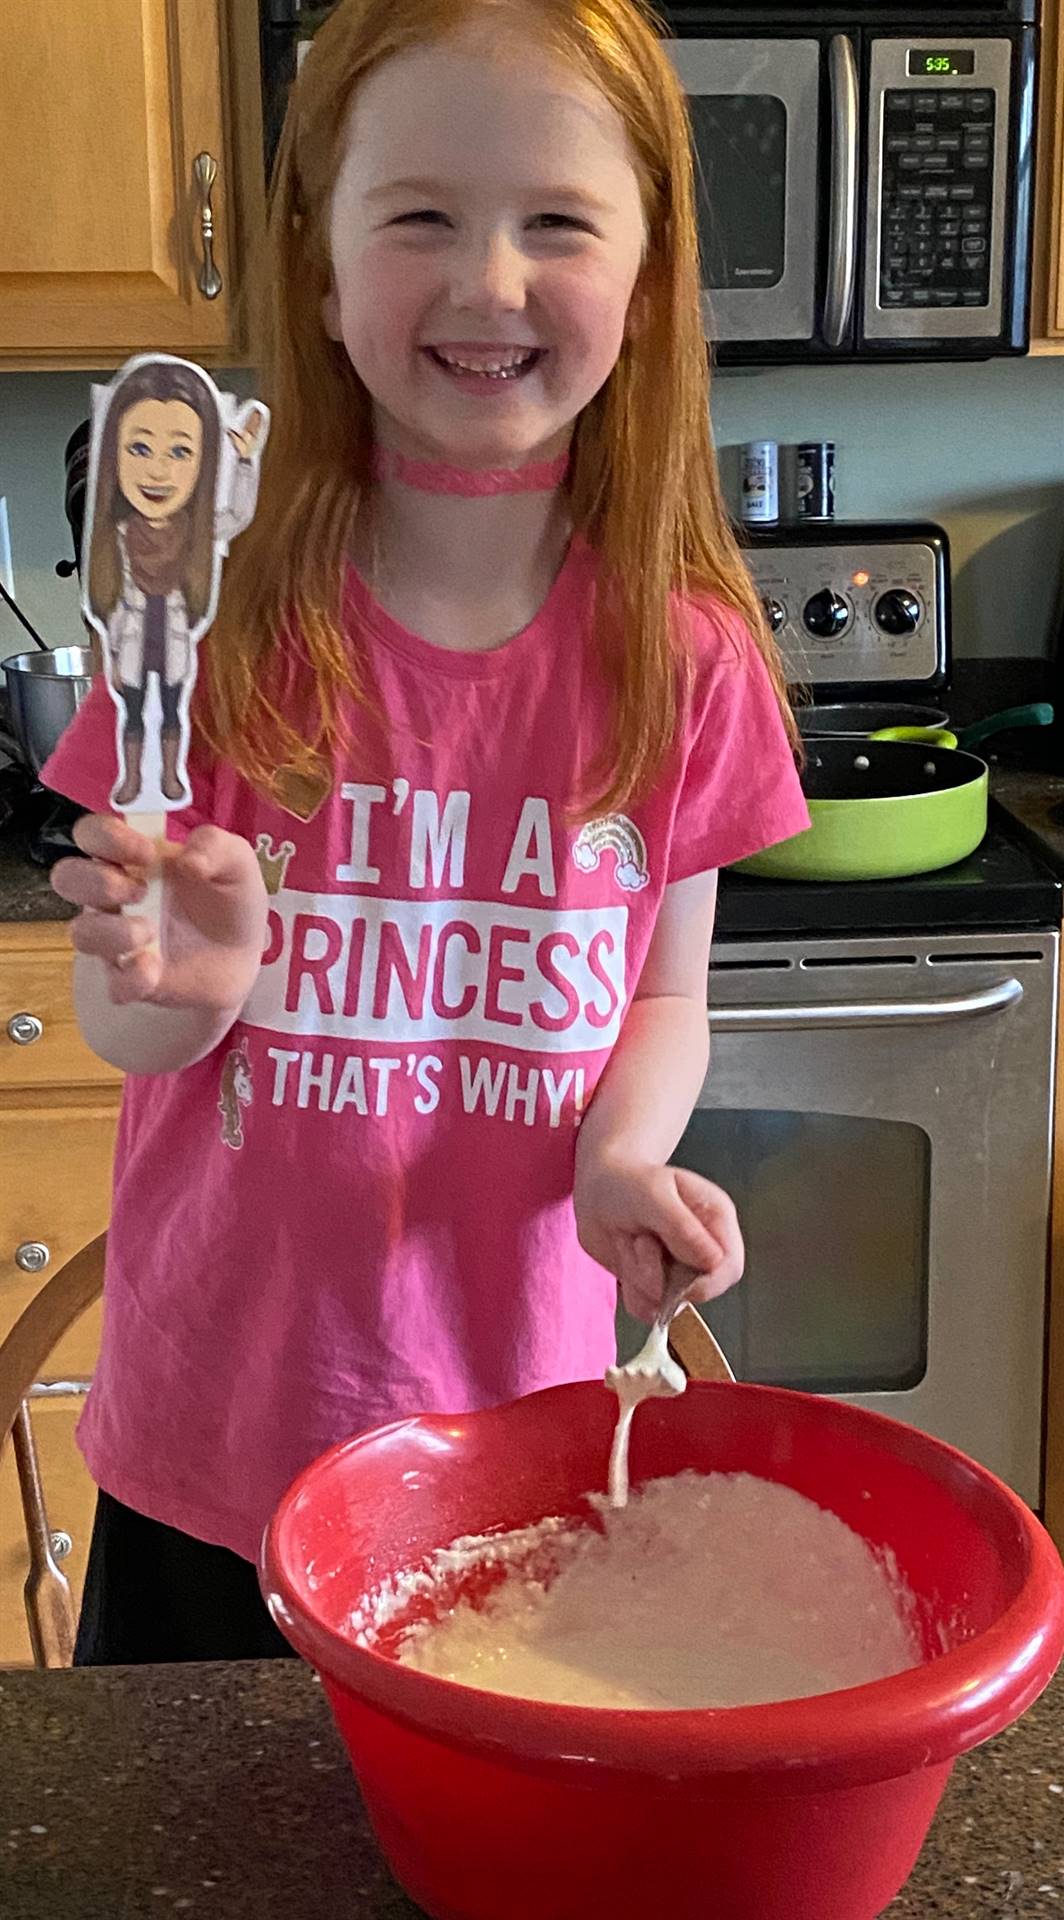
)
(133, 753)
(171, 783)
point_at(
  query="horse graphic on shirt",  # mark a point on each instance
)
(236, 1092)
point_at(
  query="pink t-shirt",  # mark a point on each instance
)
(359, 1206)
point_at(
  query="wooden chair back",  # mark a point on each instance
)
(24, 1356)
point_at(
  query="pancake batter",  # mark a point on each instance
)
(705, 1591)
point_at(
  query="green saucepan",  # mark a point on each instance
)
(881, 809)
(886, 720)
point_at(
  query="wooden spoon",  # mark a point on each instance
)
(692, 1344)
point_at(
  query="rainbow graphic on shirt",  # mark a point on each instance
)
(618, 835)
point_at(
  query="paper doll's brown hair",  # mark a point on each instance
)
(155, 380)
(644, 488)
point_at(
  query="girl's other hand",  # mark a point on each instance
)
(214, 914)
(626, 1211)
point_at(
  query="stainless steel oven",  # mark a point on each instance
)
(864, 175)
(880, 1109)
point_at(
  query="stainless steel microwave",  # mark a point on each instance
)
(865, 176)
(865, 170)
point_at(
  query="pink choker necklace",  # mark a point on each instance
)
(470, 483)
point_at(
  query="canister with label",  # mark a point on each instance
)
(761, 483)
(816, 480)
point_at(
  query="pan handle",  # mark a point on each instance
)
(1040, 714)
(868, 1013)
(923, 736)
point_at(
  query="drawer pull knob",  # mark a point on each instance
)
(32, 1256)
(24, 1029)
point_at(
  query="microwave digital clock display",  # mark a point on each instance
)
(925, 65)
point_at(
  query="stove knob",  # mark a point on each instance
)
(775, 613)
(899, 612)
(826, 615)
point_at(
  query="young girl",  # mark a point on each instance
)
(487, 704)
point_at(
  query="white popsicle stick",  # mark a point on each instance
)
(153, 827)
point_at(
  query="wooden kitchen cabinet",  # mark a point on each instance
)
(1047, 317)
(58, 1112)
(108, 104)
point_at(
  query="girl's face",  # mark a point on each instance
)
(160, 452)
(486, 234)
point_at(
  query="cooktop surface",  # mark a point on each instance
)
(1003, 884)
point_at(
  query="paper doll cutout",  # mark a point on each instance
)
(173, 478)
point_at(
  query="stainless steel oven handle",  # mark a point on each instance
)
(842, 230)
(868, 1013)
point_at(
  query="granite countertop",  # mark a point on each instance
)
(25, 891)
(1033, 798)
(136, 1792)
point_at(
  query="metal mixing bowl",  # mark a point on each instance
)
(44, 692)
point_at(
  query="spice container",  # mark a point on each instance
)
(761, 484)
(816, 480)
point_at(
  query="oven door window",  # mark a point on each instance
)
(835, 1212)
(755, 121)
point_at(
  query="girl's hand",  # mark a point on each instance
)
(214, 914)
(626, 1210)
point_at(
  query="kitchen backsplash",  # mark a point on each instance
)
(980, 448)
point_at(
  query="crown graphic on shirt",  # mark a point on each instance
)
(273, 862)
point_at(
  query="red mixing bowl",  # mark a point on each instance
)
(493, 1808)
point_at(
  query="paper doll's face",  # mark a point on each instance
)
(160, 452)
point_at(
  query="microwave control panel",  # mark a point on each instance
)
(938, 202)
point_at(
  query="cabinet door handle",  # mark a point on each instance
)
(32, 1256)
(24, 1029)
(205, 173)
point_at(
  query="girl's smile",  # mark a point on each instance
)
(480, 369)
(481, 281)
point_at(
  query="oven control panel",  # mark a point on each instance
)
(864, 613)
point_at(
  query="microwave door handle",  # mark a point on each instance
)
(868, 1013)
(842, 228)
